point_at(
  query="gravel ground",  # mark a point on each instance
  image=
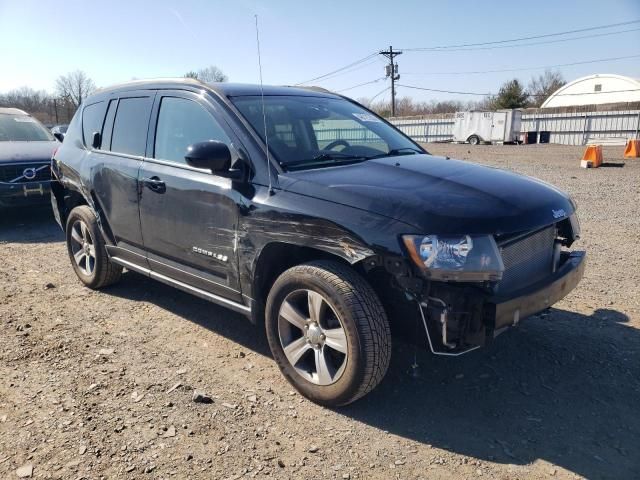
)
(100, 384)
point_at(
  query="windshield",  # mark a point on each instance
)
(22, 128)
(311, 132)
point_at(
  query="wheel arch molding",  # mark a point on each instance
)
(277, 255)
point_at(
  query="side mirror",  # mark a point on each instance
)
(59, 136)
(211, 155)
(96, 139)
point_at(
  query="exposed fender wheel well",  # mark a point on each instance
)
(66, 199)
(103, 223)
(273, 260)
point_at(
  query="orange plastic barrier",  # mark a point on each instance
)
(632, 150)
(592, 157)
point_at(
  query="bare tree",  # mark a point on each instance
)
(407, 106)
(542, 86)
(25, 98)
(74, 87)
(209, 74)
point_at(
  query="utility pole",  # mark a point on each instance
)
(55, 109)
(392, 72)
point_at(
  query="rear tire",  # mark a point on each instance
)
(87, 251)
(474, 140)
(328, 332)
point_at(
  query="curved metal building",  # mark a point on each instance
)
(596, 90)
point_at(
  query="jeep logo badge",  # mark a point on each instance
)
(29, 173)
(558, 213)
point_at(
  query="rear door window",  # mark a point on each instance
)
(131, 125)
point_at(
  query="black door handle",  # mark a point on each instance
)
(155, 184)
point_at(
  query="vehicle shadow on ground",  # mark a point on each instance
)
(219, 320)
(562, 387)
(29, 225)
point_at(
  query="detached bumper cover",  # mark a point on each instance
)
(536, 298)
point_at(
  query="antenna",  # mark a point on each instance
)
(264, 113)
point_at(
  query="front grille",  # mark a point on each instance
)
(15, 173)
(527, 259)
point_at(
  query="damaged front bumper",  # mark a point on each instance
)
(509, 311)
(460, 319)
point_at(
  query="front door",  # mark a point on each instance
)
(188, 216)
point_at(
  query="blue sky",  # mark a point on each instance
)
(118, 40)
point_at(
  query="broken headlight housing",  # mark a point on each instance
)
(457, 258)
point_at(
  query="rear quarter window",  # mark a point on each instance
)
(92, 118)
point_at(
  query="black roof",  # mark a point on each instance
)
(221, 88)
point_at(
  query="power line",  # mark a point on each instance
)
(444, 91)
(358, 64)
(351, 70)
(531, 94)
(379, 93)
(361, 84)
(473, 72)
(519, 39)
(352, 64)
(546, 42)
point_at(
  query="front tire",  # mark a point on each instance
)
(87, 251)
(328, 332)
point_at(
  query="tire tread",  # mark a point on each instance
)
(108, 273)
(368, 313)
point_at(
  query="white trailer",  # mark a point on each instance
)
(502, 126)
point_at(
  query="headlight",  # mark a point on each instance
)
(460, 258)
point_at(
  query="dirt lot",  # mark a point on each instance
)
(99, 384)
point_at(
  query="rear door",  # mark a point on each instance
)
(115, 165)
(188, 216)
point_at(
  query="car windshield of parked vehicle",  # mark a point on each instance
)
(313, 132)
(22, 128)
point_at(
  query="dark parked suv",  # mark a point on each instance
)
(306, 212)
(26, 147)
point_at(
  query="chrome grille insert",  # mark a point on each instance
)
(25, 172)
(527, 259)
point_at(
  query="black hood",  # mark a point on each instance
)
(27, 151)
(437, 195)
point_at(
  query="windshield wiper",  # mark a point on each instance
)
(398, 151)
(334, 158)
(327, 157)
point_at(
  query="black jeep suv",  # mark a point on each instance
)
(306, 212)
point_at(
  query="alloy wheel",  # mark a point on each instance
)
(83, 248)
(312, 337)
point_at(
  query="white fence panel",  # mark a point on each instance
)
(572, 128)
